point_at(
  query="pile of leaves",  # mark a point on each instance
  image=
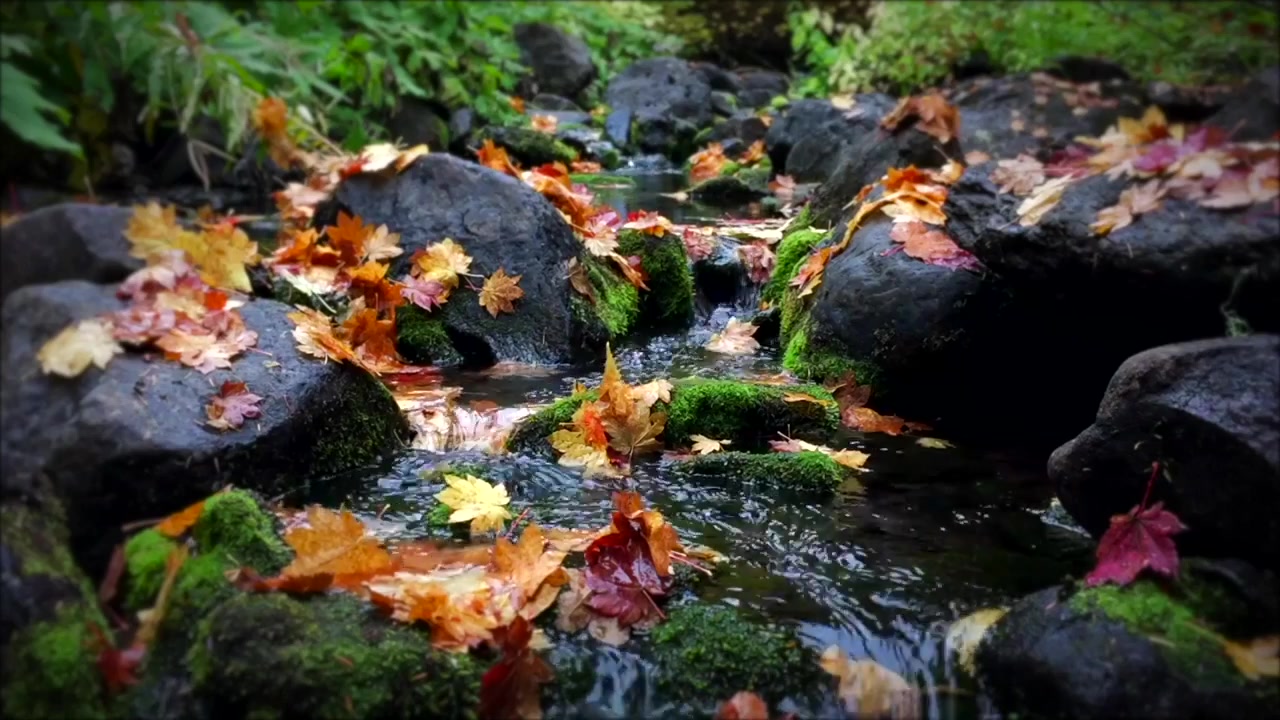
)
(606, 433)
(1200, 165)
(180, 305)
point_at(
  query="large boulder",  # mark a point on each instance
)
(807, 140)
(131, 441)
(1137, 651)
(561, 63)
(665, 101)
(1209, 413)
(502, 224)
(757, 87)
(73, 241)
(417, 122)
(1253, 112)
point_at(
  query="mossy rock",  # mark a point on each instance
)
(421, 338)
(615, 311)
(813, 364)
(49, 667)
(799, 472)
(1150, 649)
(530, 436)
(668, 304)
(793, 251)
(705, 653)
(596, 179)
(529, 146)
(270, 655)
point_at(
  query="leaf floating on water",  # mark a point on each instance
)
(965, 634)
(933, 443)
(474, 500)
(704, 445)
(735, 339)
(869, 690)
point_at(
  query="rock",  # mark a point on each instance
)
(417, 122)
(721, 278)
(617, 126)
(760, 87)
(72, 241)
(717, 77)
(723, 103)
(1185, 104)
(501, 223)
(812, 142)
(527, 146)
(976, 64)
(1206, 410)
(738, 188)
(803, 118)
(1026, 112)
(565, 118)
(548, 101)
(461, 124)
(1251, 113)
(1137, 651)
(130, 441)
(1079, 69)
(747, 128)
(561, 63)
(669, 303)
(668, 103)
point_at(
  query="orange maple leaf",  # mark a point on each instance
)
(348, 237)
(707, 163)
(495, 158)
(500, 291)
(932, 113)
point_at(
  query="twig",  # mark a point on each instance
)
(516, 523)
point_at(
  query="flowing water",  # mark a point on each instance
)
(880, 570)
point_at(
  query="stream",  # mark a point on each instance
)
(880, 570)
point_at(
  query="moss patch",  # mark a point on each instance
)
(669, 301)
(793, 249)
(52, 669)
(817, 365)
(421, 338)
(711, 651)
(749, 415)
(359, 423)
(802, 471)
(530, 436)
(617, 303)
(598, 179)
(529, 146)
(328, 657)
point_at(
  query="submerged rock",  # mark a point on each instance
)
(501, 223)
(72, 241)
(561, 63)
(667, 102)
(131, 441)
(1209, 412)
(1138, 651)
(812, 472)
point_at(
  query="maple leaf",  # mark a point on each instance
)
(314, 334)
(699, 243)
(516, 103)
(495, 158)
(72, 351)
(849, 458)
(576, 451)
(533, 567)
(631, 268)
(652, 391)
(932, 113)
(118, 668)
(966, 634)
(743, 706)
(232, 406)
(703, 445)
(637, 432)
(298, 202)
(580, 281)
(370, 283)
(203, 351)
(585, 167)
(544, 123)
(707, 163)
(622, 574)
(1020, 175)
(1133, 201)
(382, 244)
(499, 291)
(870, 690)
(1042, 200)
(426, 294)
(1139, 539)
(908, 205)
(650, 222)
(270, 119)
(472, 499)
(443, 262)
(334, 548)
(933, 246)
(348, 237)
(512, 688)
(753, 154)
(809, 276)
(1257, 658)
(735, 339)
(783, 187)
(759, 260)
(600, 236)
(177, 524)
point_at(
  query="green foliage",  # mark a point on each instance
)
(912, 44)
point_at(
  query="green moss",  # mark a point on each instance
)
(421, 338)
(817, 365)
(609, 158)
(669, 301)
(53, 668)
(38, 536)
(529, 146)
(329, 657)
(749, 415)
(617, 302)
(711, 651)
(793, 250)
(235, 525)
(438, 516)
(145, 555)
(802, 471)
(359, 423)
(596, 179)
(730, 168)
(779, 102)
(530, 436)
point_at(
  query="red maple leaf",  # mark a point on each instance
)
(426, 294)
(622, 575)
(1141, 538)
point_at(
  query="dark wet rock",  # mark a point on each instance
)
(561, 63)
(1253, 112)
(1206, 410)
(723, 103)
(667, 101)
(527, 146)
(760, 87)
(617, 126)
(720, 278)
(867, 158)
(1079, 69)
(815, 152)
(548, 101)
(502, 223)
(734, 189)
(72, 241)
(717, 77)
(1006, 116)
(976, 64)
(803, 118)
(1183, 104)
(565, 118)
(1139, 651)
(417, 122)
(461, 124)
(131, 441)
(748, 129)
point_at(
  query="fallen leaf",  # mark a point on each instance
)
(976, 157)
(793, 397)
(1042, 200)
(759, 261)
(1134, 201)
(965, 634)
(933, 443)
(177, 524)
(512, 687)
(636, 433)
(783, 187)
(232, 406)
(1020, 175)
(809, 277)
(72, 351)
(703, 445)
(476, 501)
(870, 690)
(699, 243)
(579, 280)
(382, 244)
(544, 123)
(652, 392)
(650, 222)
(753, 154)
(334, 544)
(707, 163)
(496, 158)
(1137, 540)
(1256, 658)
(932, 113)
(585, 167)
(443, 262)
(425, 293)
(743, 706)
(499, 292)
(932, 246)
(735, 339)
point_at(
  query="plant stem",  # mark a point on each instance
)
(1151, 482)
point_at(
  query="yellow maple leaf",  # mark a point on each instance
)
(704, 445)
(652, 391)
(615, 393)
(334, 543)
(1256, 658)
(637, 432)
(1042, 200)
(575, 451)
(382, 244)
(72, 351)
(499, 292)
(736, 339)
(443, 262)
(472, 499)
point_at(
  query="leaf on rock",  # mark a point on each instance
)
(736, 339)
(753, 154)
(476, 501)
(232, 406)
(499, 292)
(853, 459)
(707, 163)
(202, 351)
(1134, 201)
(933, 246)
(759, 260)
(703, 445)
(585, 167)
(335, 549)
(636, 433)
(533, 566)
(382, 244)
(965, 634)
(579, 281)
(496, 158)
(314, 333)
(443, 262)
(1137, 540)
(870, 690)
(1256, 658)
(1020, 175)
(425, 293)
(809, 277)
(544, 123)
(1042, 200)
(652, 392)
(932, 113)
(72, 351)
(650, 222)
(632, 269)
(743, 706)
(177, 524)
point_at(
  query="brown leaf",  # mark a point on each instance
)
(932, 113)
(579, 281)
(735, 339)
(703, 445)
(1042, 200)
(870, 690)
(743, 706)
(499, 292)
(1019, 176)
(232, 406)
